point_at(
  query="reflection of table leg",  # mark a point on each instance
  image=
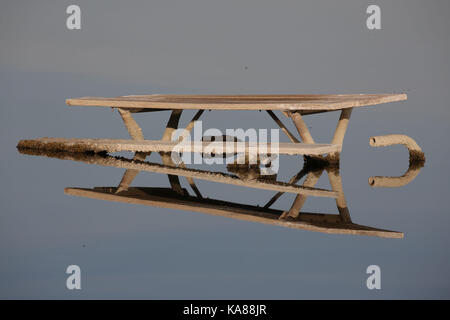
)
(310, 181)
(293, 180)
(183, 136)
(171, 127)
(135, 133)
(336, 185)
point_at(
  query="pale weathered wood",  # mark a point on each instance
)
(219, 177)
(325, 223)
(310, 181)
(293, 180)
(302, 128)
(318, 102)
(336, 185)
(135, 132)
(119, 145)
(339, 134)
(341, 128)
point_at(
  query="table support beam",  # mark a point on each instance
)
(293, 180)
(190, 125)
(133, 128)
(310, 181)
(135, 132)
(282, 126)
(301, 127)
(336, 185)
(338, 137)
(171, 127)
(339, 134)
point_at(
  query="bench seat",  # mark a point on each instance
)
(119, 145)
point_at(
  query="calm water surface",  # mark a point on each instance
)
(128, 250)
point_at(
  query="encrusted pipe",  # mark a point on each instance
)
(416, 160)
(395, 182)
(415, 152)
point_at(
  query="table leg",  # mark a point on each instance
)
(339, 134)
(282, 126)
(310, 181)
(338, 137)
(171, 127)
(135, 133)
(301, 127)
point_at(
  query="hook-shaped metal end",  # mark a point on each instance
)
(416, 160)
(415, 152)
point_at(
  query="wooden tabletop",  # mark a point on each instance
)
(311, 102)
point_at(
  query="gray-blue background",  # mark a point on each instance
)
(236, 47)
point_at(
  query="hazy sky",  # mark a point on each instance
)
(235, 46)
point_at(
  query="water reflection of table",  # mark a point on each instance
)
(241, 175)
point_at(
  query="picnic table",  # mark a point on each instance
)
(292, 106)
(295, 107)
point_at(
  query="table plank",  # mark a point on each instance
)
(314, 102)
(119, 145)
(218, 177)
(145, 196)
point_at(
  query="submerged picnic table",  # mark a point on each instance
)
(292, 106)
